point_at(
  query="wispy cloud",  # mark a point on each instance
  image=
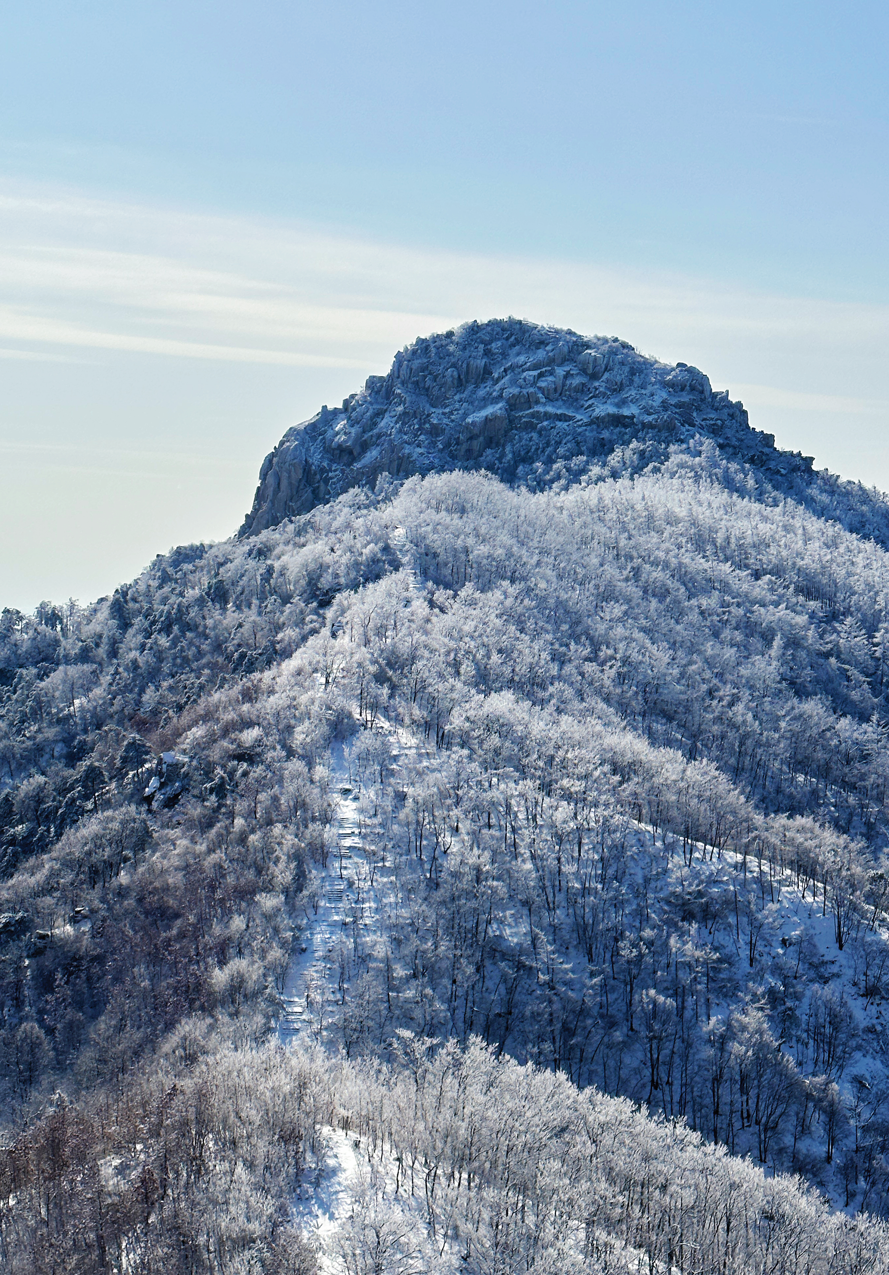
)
(76, 272)
(91, 274)
(205, 336)
(39, 356)
(44, 329)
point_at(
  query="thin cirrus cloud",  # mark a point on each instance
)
(35, 356)
(69, 296)
(183, 336)
(41, 328)
(260, 291)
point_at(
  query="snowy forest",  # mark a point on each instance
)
(478, 863)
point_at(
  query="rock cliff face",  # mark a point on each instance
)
(530, 404)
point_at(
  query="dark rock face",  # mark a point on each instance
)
(525, 402)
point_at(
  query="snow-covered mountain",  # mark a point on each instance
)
(522, 759)
(535, 406)
(530, 404)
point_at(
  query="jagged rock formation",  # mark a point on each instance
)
(527, 403)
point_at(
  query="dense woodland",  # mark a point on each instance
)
(630, 964)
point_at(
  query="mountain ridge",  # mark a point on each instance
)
(529, 403)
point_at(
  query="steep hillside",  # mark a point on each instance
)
(523, 758)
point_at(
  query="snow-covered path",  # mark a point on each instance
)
(351, 893)
(314, 975)
(327, 1198)
(353, 898)
(351, 1208)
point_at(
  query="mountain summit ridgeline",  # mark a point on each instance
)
(530, 404)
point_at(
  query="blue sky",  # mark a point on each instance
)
(214, 217)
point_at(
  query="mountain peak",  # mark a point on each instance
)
(527, 402)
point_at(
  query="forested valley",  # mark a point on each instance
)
(483, 869)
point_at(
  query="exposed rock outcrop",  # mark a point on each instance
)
(525, 402)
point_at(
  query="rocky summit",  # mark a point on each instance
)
(530, 404)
